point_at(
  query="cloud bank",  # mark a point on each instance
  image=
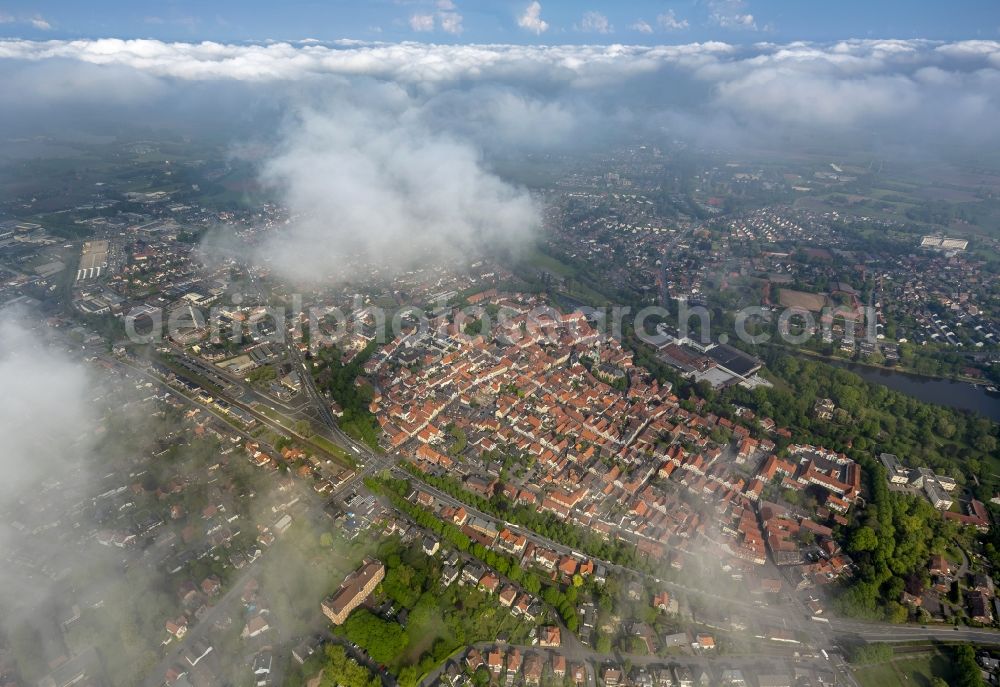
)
(839, 84)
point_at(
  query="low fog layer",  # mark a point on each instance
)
(48, 426)
(908, 84)
(369, 181)
(45, 413)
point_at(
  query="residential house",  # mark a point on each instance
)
(549, 636)
(533, 664)
(255, 626)
(611, 676)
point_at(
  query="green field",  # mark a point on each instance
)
(537, 260)
(331, 448)
(910, 672)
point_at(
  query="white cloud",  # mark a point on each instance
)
(532, 20)
(507, 116)
(422, 22)
(595, 22)
(404, 62)
(46, 415)
(731, 14)
(451, 22)
(642, 26)
(837, 85)
(447, 16)
(368, 181)
(785, 95)
(669, 21)
(36, 21)
(970, 49)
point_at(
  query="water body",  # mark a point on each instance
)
(945, 392)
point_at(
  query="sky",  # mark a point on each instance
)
(503, 21)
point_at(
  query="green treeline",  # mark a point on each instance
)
(338, 379)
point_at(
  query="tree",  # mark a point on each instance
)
(986, 444)
(481, 677)
(383, 640)
(896, 612)
(552, 597)
(340, 670)
(870, 653)
(863, 539)
(966, 669)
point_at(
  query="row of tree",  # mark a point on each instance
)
(544, 523)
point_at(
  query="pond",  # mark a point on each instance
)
(946, 392)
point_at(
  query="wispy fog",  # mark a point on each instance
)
(45, 414)
(49, 436)
(366, 178)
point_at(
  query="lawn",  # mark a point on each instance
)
(537, 259)
(422, 635)
(543, 261)
(331, 448)
(905, 671)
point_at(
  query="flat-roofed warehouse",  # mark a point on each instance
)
(734, 360)
(352, 593)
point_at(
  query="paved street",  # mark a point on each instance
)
(593, 661)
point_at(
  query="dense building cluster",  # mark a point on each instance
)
(622, 461)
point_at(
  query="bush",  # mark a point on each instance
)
(870, 653)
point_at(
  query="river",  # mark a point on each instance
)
(945, 392)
